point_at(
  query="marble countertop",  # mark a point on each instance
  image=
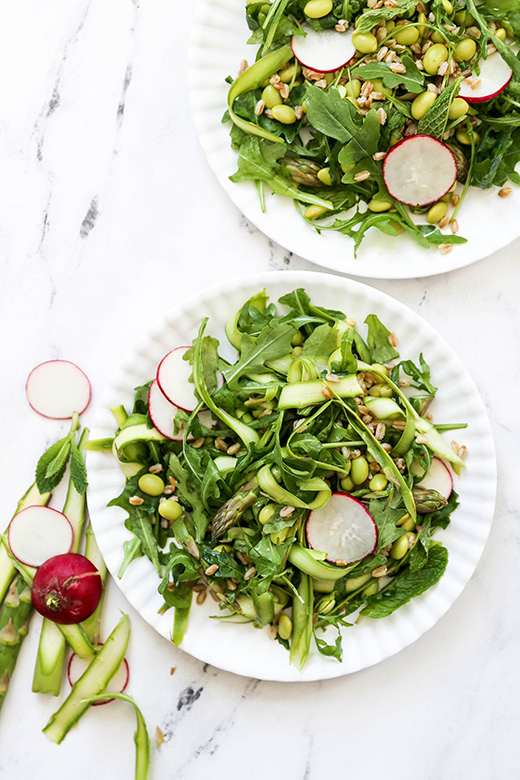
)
(108, 209)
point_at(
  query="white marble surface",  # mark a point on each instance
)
(108, 216)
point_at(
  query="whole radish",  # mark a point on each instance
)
(67, 588)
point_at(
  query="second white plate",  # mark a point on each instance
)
(218, 46)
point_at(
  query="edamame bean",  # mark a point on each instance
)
(347, 484)
(407, 36)
(437, 37)
(325, 605)
(378, 206)
(422, 20)
(266, 513)
(365, 43)
(458, 108)
(380, 87)
(314, 212)
(434, 57)
(422, 104)
(287, 74)
(353, 583)
(464, 138)
(271, 96)
(297, 339)
(399, 548)
(353, 88)
(447, 6)
(284, 114)
(501, 34)
(170, 509)
(465, 49)
(408, 524)
(284, 627)
(437, 212)
(151, 484)
(378, 482)
(316, 9)
(359, 470)
(324, 176)
(370, 590)
(297, 351)
(278, 537)
(381, 390)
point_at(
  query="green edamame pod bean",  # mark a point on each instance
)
(501, 34)
(266, 513)
(465, 49)
(271, 96)
(284, 114)
(347, 484)
(399, 548)
(434, 57)
(422, 104)
(406, 36)
(284, 627)
(365, 43)
(315, 212)
(353, 583)
(378, 482)
(370, 590)
(437, 212)
(459, 107)
(324, 176)
(316, 9)
(447, 6)
(378, 206)
(359, 470)
(170, 509)
(151, 484)
(289, 73)
(353, 88)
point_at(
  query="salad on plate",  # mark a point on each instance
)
(299, 483)
(379, 114)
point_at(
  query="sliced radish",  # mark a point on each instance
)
(438, 478)
(173, 378)
(57, 389)
(343, 529)
(323, 51)
(38, 533)
(163, 413)
(495, 74)
(419, 170)
(117, 684)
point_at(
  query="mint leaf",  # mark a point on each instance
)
(52, 464)
(436, 118)
(78, 472)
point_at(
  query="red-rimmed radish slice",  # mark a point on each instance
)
(38, 533)
(343, 528)
(419, 170)
(117, 684)
(495, 74)
(438, 478)
(173, 378)
(323, 51)
(163, 413)
(58, 388)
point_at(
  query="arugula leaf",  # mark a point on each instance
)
(339, 119)
(138, 522)
(407, 584)
(273, 341)
(385, 519)
(421, 376)
(188, 492)
(412, 80)
(329, 650)
(381, 351)
(372, 17)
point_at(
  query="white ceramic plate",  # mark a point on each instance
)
(241, 648)
(218, 46)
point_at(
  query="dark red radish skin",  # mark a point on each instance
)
(173, 375)
(419, 170)
(495, 74)
(344, 529)
(323, 51)
(439, 478)
(67, 588)
(37, 533)
(56, 389)
(117, 684)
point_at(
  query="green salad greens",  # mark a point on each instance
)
(321, 138)
(309, 408)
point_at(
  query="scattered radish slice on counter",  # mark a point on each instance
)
(117, 684)
(438, 478)
(37, 533)
(67, 588)
(419, 170)
(323, 51)
(495, 74)
(173, 378)
(343, 528)
(58, 388)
